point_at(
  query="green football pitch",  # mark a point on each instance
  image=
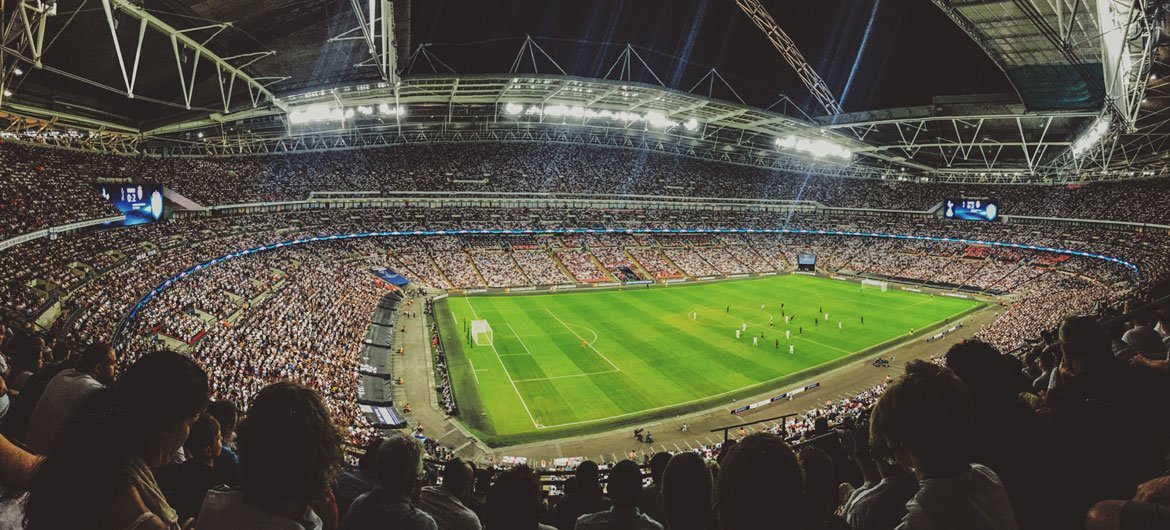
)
(577, 362)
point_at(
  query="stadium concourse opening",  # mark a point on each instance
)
(575, 362)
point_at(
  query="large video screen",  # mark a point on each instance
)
(971, 209)
(805, 258)
(141, 203)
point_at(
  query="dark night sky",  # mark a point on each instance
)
(872, 53)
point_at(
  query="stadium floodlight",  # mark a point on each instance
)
(818, 148)
(7, 93)
(1091, 136)
(17, 71)
(691, 124)
(365, 110)
(316, 113)
(513, 108)
(384, 109)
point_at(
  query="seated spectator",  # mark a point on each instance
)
(880, 502)
(187, 483)
(820, 489)
(106, 452)
(587, 499)
(760, 485)
(26, 354)
(227, 464)
(353, 483)
(1096, 388)
(94, 370)
(290, 451)
(686, 494)
(925, 418)
(513, 502)
(447, 503)
(389, 505)
(625, 487)
(651, 501)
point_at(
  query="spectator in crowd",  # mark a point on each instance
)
(925, 417)
(227, 464)
(447, 504)
(26, 353)
(95, 370)
(352, 483)
(880, 502)
(820, 489)
(625, 487)
(687, 494)
(1000, 421)
(104, 457)
(290, 450)
(760, 485)
(651, 500)
(478, 499)
(1142, 337)
(513, 502)
(389, 505)
(588, 497)
(1096, 388)
(187, 483)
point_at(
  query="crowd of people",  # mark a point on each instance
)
(975, 439)
(48, 187)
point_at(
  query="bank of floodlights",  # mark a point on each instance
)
(819, 148)
(652, 118)
(1091, 136)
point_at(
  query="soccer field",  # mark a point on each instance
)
(577, 362)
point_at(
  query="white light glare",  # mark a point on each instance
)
(316, 113)
(817, 148)
(17, 71)
(365, 110)
(1091, 136)
(652, 118)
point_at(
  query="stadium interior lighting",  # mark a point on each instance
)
(365, 110)
(651, 118)
(817, 148)
(17, 71)
(1091, 136)
(7, 93)
(316, 113)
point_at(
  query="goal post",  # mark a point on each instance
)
(481, 333)
(883, 286)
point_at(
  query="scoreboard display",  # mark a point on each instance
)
(971, 209)
(140, 203)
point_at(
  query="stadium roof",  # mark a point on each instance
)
(220, 70)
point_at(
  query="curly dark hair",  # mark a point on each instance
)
(289, 448)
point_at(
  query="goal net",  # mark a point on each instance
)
(481, 333)
(881, 285)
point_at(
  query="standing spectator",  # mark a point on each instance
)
(513, 502)
(227, 464)
(760, 485)
(651, 501)
(353, 483)
(625, 487)
(187, 483)
(587, 499)
(389, 505)
(290, 451)
(95, 370)
(104, 457)
(925, 418)
(447, 503)
(686, 493)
